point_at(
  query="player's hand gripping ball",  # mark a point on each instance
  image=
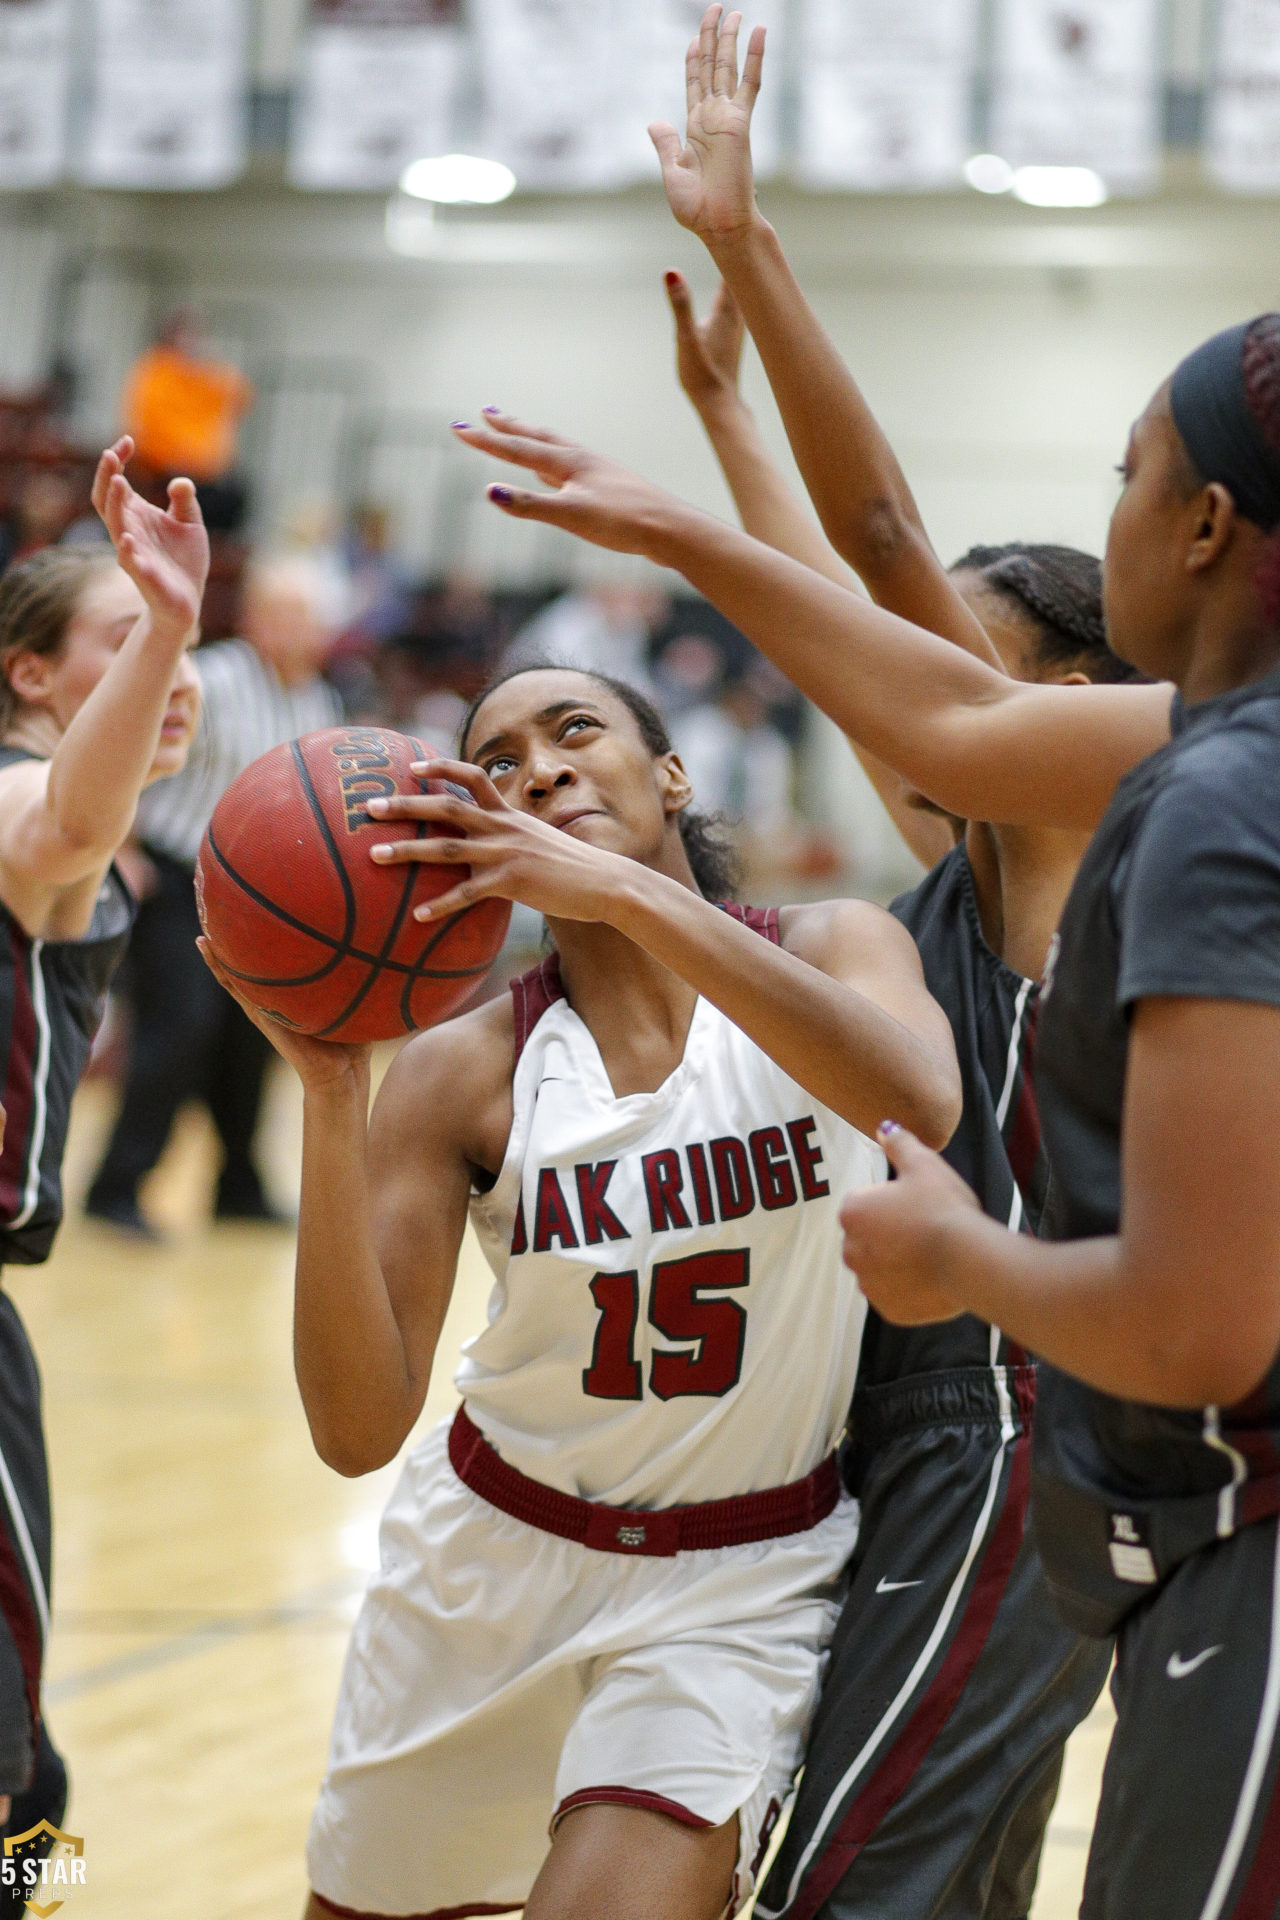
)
(308, 926)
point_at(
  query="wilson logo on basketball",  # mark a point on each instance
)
(309, 926)
(364, 774)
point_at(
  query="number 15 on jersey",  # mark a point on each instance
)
(687, 1304)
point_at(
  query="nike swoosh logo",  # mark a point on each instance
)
(1178, 1668)
(896, 1586)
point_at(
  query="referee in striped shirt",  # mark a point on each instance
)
(190, 1039)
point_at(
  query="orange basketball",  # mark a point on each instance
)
(312, 930)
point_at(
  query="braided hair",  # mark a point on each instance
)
(712, 858)
(1060, 589)
(1261, 360)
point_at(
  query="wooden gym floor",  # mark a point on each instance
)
(208, 1566)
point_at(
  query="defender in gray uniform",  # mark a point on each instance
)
(97, 696)
(1157, 1449)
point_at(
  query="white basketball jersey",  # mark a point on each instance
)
(671, 1319)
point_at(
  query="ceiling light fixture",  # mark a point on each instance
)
(988, 173)
(458, 179)
(1059, 187)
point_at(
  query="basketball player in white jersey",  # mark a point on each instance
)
(606, 1588)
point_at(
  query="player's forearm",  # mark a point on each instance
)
(769, 511)
(899, 691)
(1092, 1309)
(852, 476)
(353, 1373)
(767, 507)
(854, 480)
(102, 760)
(978, 744)
(835, 1042)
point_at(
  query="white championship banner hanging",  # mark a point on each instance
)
(885, 90)
(551, 92)
(1077, 83)
(650, 68)
(167, 100)
(35, 39)
(378, 88)
(1243, 140)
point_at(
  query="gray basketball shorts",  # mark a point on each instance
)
(952, 1685)
(1188, 1825)
(24, 1551)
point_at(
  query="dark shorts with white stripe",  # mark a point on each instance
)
(1188, 1826)
(952, 1686)
(24, 1550)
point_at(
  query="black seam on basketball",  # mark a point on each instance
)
(419, 972)
(278, 912)
(377, 966)
(327, 940)
(326, 834)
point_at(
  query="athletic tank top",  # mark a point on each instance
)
(996, 1149)
(52, 996)
(671, 1320)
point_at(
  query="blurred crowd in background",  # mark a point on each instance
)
(315, 624)
(404, 652)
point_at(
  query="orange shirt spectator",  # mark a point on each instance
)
(184, 412)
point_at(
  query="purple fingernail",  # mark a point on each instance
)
(503, 495)
(457, 424)
(491, 409)
(888, 1126)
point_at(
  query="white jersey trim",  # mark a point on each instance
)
(39, 1091)
(27, 1545)
(1239, 1472)
(1259, 1759)
(918, 1671)
(1014, 1053)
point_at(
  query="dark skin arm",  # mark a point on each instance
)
(1182, 1307)
(708, 358)
(382, 1215)
(849, 469)
(841, 1006)
(980, 745)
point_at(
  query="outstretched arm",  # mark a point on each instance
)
(841, 1006)
(977, 743)
(854, 480)
(708, 358)
(64, 818)
(708, 362)
(1138, 1315)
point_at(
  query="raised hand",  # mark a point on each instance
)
(164, 551)
(708, 177)
(708, 352)
(593, 497)
(512, 855)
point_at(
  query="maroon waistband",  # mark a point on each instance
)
(708, 1523)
